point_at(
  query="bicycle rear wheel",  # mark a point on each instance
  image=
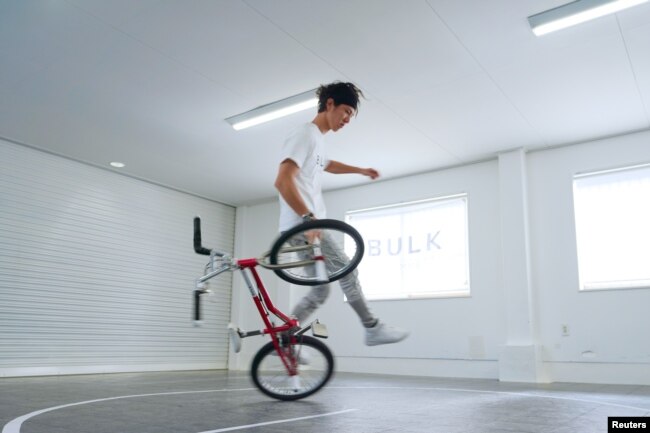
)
(304, 248)
(314, 363)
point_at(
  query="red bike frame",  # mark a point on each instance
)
(264, 306)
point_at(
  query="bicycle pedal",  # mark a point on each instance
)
(319, 330)
(235, 338)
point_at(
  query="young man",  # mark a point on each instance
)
(298, 181)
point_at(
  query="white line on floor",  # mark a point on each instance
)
(14, 425)
(241, 427)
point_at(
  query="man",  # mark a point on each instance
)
(298, 181)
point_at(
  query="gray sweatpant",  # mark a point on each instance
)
(335, 258)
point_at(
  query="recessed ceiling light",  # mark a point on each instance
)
(274, 110)
(118, 164)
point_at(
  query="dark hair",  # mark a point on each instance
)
(341, 93)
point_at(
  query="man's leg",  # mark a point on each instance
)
(310, 303)
(376, 332)
(335, 259)
(317, 294)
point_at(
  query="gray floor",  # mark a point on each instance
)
(217, 401)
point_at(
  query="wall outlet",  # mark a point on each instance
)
(565, 330)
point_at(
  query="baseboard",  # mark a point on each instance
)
(608, 373)
(554, 372)
(475, 369)
(102, 369)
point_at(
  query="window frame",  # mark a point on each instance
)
(459, 292)
(585, 286)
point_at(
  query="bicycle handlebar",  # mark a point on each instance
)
(200, 249)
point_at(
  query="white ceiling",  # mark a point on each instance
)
(149, 82)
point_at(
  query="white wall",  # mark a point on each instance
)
(466, 331)
(466, 337)
(608, 330)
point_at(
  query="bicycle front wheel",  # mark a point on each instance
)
(314, 363)
(334, 245)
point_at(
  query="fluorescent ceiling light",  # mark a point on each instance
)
(118, 164)
(575, 13)
(274, 110)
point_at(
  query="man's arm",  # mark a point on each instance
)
(337, 167)
(286, 186)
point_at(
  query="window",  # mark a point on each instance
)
(612, 218)
(414, 250)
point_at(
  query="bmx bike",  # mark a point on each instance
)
(292, 365)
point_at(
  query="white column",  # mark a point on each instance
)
(239, 289)
(520, 357)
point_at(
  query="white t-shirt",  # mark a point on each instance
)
(306, 147)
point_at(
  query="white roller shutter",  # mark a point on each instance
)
(97, 271)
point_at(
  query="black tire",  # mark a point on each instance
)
(336, 232)
(272, 378)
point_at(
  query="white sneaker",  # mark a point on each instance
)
(384, 334)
